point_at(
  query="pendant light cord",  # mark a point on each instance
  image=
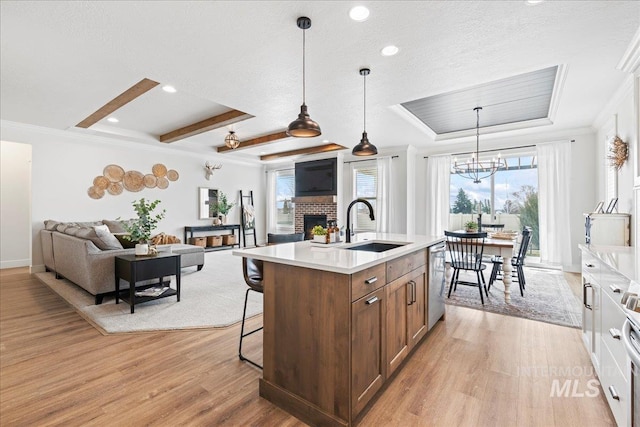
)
(304, 97)
(364, 124)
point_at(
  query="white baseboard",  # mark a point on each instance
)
(15, 263)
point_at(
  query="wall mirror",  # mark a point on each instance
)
(208, 197)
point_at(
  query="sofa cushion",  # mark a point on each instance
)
(117, 225)
(109, 239)
(126, 243)
(51, 224)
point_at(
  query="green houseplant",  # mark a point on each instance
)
(223, 206)
(140, 228)
(319, 234)
(471, 226)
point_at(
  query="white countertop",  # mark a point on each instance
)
(334, 257)
(620, 258)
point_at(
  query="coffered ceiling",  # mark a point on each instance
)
(238, 65)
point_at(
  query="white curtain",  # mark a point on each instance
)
(271, 201)
(384, 194)
(554, 176)
(437, 186)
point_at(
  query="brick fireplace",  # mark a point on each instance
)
(315, 206)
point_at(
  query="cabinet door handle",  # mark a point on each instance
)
(584, 295)
(371, 280)
(590, 265)
(415, 291)
(410, 292)
(615, 289)
(615, 333)
(371, 300)
(614, 393)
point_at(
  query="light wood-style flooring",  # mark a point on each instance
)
(474, 369)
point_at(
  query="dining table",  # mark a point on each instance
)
(500, 247)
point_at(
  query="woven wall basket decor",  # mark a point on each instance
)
(114, 180)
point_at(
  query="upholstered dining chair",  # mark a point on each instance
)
(517, 262)
(273, 238)
(465, 252)
(252, 271)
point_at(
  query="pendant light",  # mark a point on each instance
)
(474, 168)
(231, 140)
(303, 126)
(365, 148)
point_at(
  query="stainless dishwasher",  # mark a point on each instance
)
(437, 282)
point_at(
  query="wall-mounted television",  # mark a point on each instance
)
(317, 178)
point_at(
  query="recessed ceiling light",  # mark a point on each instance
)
(325, 141)
(533, 2)
(169, 89)
(389, 50)
(113, 120)
(359, 13)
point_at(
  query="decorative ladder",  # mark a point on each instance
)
(247, 200)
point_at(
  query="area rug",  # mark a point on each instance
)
(210, 298)
(547, 298)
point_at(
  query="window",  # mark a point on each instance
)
(509, 197)
(365, 186)
(284, 192)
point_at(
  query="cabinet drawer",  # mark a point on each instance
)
(590, 266)
(368, 280)
(613, 384)
(613, 283)
(612, 320)
(401, 266)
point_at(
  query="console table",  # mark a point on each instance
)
(189, 230)
(134, 269)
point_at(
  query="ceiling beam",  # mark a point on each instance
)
(309, 150)
(124, 98)
(265, 139)
(215, 122)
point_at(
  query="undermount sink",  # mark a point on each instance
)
(375, 247)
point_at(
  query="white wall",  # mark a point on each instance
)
(65, 164)
(15, 205)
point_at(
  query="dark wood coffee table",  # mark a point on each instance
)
(134, 269)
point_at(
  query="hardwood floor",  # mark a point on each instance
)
(475, 368)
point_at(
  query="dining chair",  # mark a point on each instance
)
(252, 271)
(465, 252)
(273, 238)
(517, 262)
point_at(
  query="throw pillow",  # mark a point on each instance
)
(90, 234)
(51, 224)
(105, 235)
(116, 226)
(126, 244)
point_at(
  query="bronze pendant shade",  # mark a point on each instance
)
(365, 148)
(303, 126)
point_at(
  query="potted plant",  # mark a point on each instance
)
(140, 229)
(319, 234)
(223, 207)
(471, 226)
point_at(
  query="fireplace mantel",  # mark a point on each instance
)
(315, 199)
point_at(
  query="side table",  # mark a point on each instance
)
(134, 269)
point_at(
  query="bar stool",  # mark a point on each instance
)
(252, 271)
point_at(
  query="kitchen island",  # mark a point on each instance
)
(339, 322)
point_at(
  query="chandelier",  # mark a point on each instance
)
(231, 140)
(474, 168)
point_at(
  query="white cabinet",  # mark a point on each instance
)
(607, 229)
(603, 318)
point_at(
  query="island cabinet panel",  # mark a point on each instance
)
(406, 315)
(398, 297)
(417, 310)
(367, 348)
(306, 346)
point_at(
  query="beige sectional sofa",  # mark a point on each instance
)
(83, 262)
